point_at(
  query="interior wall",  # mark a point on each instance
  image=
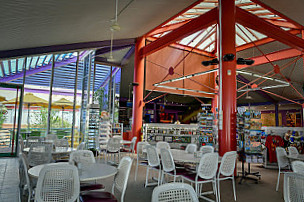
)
(157, 68)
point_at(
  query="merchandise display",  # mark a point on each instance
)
(177, 135)
(249, 136)
(206, 126)
(93, 129)
(117, 129)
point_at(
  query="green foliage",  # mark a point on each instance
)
(3, 111)
(99, 96)
(56, 119)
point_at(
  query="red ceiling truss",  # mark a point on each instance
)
(195, 30)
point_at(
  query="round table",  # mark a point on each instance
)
(57, 150)
(121, 141)
(95, 171)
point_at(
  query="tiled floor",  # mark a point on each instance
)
(9, 180)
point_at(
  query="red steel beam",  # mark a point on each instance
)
(253, 22)
(167, 28)
(178, 14)
(274, 56)
(261, 42)
(186, 48)
(278, 13)
(282, 24)
(191, 27)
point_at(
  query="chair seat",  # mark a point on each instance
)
(125, 150)
(192, 176)
(90, 187)
(143, 163)
(98, 197)
(112, 152)
(179, 171)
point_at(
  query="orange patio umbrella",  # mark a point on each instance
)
(29, 99)
(63, 104)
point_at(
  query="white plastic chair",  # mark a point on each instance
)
(283, 163)
(141, 156)
(206, 149)
(226, 171)
(113, 149)
(153, 163)
(57, 182)
(120, 183)
(206, 173)
(130, 150)
(33, 140)
(298, 167)
(61, 143)
(81, 146)
(174, 192)
(168, 165)
(160, 145)
(51, 137)
(40, 153)
(84, 157)
(293, 151)
(21, 144)
(191, 148)
(25, 183)
(293, 187)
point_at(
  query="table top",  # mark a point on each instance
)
(299, 157)
(90, 172)
(183, 156)
(58, 150)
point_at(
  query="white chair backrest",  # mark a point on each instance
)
(33, 140)
(206, 149)
(23, 172)
(82, 156)
(298, 167)
(191, 148)
(167, 161)
(208, 166)
(21, 143)
(122, 176)
(113, 144)
(293, 187)
(174, 192)
(153, 158)
(51, 137)
(281, 157)
(58, 182)
(228, 164)
(141, 155)
(61, 143)
(293, 151)
(133, 143)
(40, 153)
(160, 145)
(81, 146)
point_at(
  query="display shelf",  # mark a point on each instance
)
(249, 135)
(105, 131)
(93, 127)
(117, 129)
(177, 135)
(5, 138)
(206, 126)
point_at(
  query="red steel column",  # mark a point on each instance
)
(138, 90)
(226, 41)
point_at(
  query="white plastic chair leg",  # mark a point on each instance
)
(215, 189)
(136, 169)
(233, 186)
(219, 191)
(147, 176)
(278, 181)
